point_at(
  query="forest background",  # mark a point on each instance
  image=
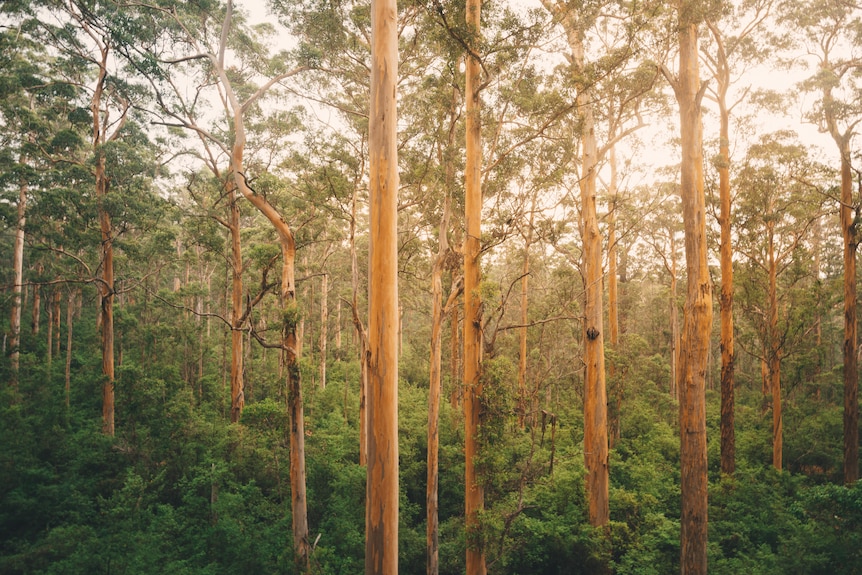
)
(185, 206)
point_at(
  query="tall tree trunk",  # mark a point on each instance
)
(338, 327)
(674, 320)
(106, 288)
(49, 352)
(361, 335)
(35, 319)
(455, 359)
(728, 437)
(432, 534)
(381, 516)
(18, 285)
(851, 375)
(774, 347)
(522, 331)
(474, 496)
(595, 394)
(613, 298)
(697, 323)
(595, 386)
(70, 311)
(290, 316)
(56, 300)
(438, 313)
(324, 325)
(237, 317)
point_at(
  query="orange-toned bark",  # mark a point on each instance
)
(474, 496)
(697, 323)
(381, 515)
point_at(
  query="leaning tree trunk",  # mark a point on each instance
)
(381, 515)
(290, 317)
(697, 322)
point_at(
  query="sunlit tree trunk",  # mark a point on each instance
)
(18, 282)
(697, 323)
(728, 438)
(474, 497)
(381, 515)
(595, 386)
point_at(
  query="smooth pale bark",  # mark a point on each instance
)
(474, 496)
(18, 283)
(697, 322)
(381, 512)
(728, 437)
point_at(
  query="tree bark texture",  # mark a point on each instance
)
(851, 374)
(237, 317)
(728, 434)
(773, 358)
(18, 283)
(381, 515)
(474, 497)
(697, 322)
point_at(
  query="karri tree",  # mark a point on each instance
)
(697, 318)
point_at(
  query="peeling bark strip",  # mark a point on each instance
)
(381, 512)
